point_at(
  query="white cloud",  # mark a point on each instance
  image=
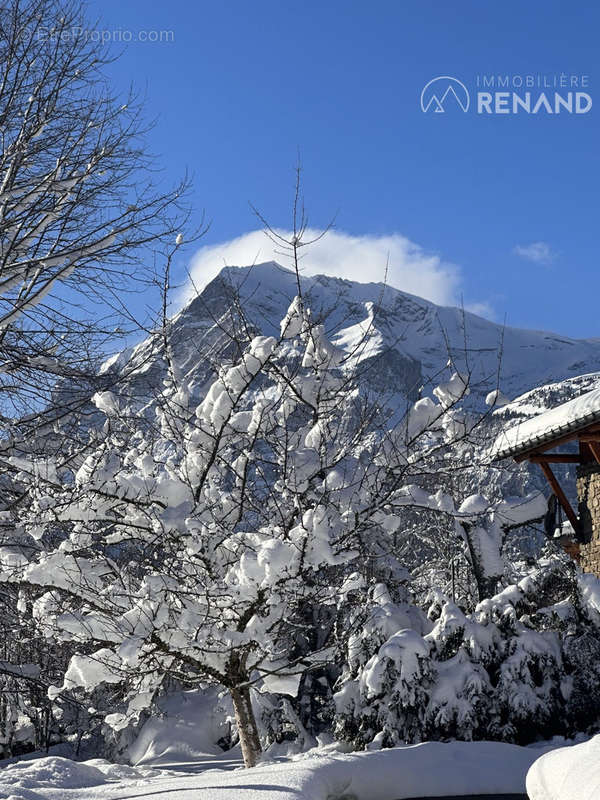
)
(358, 258)
(483, 309)
(538, 252)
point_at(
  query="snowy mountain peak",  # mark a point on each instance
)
(412, 339)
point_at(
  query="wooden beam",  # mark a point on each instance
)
(562, 497)
(586, 454)
(556, 458)
(595, 448)
(589, 437)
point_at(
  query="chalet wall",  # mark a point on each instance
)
(588, 493)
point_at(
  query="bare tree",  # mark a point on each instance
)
(81, 214)
(79, 210)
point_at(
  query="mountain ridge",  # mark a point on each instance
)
(413, 339)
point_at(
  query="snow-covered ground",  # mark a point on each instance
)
(186, 731)
(431, 769)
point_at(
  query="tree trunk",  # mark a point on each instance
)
(486, 585)
(246, 723)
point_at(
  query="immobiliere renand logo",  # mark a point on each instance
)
(508, 94)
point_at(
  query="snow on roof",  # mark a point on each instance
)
(537, 431)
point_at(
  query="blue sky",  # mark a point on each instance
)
(507, 205)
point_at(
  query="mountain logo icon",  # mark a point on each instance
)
(444, 92)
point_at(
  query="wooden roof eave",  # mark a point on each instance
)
(581, 433)
(589, 435)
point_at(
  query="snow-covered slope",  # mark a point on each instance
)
(411, 338)
(569, 773)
